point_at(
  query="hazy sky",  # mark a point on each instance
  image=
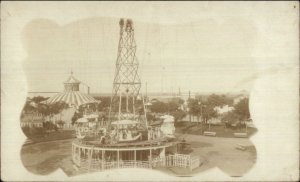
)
(211, 54)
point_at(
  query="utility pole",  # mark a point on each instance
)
(146, 92)
(189, 105)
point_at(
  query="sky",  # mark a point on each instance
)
(215, 52)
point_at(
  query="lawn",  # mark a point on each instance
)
(52, 136)
(195, 129)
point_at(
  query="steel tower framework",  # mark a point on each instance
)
(126, 85)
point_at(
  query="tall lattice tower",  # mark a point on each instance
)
(125, 103)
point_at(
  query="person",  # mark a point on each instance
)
(129, 135)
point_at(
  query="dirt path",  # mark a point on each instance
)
(44, 158)
(222, 153)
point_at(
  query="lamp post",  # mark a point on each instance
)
(201, 108)
(199, 103)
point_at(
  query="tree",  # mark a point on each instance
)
(76, 116)
(56, 108)
(194, 106)
(172, 106)
(104, 104)
(219, 100)
(61, 123)
(239, 114)
(230, 118)
(39, 99)
(150, 117)
(242, 109)
(159, 107)
(28, 107)
(178, 115)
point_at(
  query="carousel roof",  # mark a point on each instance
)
(71, 97)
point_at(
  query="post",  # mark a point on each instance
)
(201, 120)
(102, 159)
(118, 158)
(145, 112)
(127, 110)
(190, 160)
(162, 155)
(150, 159)
(72, 152)
(146, 91)
(134, 158)
(189, 107)
(79, 156)
(90, 157)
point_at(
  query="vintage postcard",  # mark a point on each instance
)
(150, 91)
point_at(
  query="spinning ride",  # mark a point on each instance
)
(125, 140)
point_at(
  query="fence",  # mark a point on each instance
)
(99, 165)
(177, 160)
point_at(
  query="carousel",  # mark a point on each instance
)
(127, 140)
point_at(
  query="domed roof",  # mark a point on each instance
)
(71, 97)
(72, 79)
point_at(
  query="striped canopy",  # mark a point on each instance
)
(72, 98)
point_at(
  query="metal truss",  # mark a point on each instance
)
(125, 103)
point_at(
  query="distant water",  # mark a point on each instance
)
(42, 94)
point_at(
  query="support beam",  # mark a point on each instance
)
(134, 158)
(90, 153)
(79, 157)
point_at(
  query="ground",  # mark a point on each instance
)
(222, 153)
(46, 157)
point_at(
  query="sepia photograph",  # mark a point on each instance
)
(159, 91)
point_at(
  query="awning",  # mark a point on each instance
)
(82, 120)
(167, 118)
(90, 116)
(124, 122)
(72, 98)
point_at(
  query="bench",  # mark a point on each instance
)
(209, 133)
(241, 135)
(240, 147)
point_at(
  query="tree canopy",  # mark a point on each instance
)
(205, 105)
(240, 112)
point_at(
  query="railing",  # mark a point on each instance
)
(194, 163)
(176, 160)
(99, 165)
